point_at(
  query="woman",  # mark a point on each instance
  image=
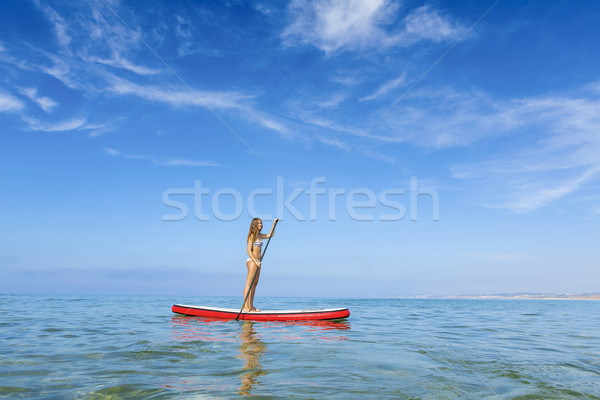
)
(253, 248)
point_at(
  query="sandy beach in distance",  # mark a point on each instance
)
(523, 296)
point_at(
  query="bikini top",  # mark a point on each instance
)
(258, 243)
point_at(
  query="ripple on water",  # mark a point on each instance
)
(128, 391)
(434, 350)
(14, 391)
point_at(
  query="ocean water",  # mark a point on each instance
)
(132, 347)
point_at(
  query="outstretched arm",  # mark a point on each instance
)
(272, 229)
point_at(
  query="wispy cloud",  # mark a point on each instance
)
(103, 62)
(264, 8)
(564, 156)
(178, 162)
(425, 23)
(534, 196)
(444, 118)
(189, 41)
(558, 138)
(188, 163)
(333, 142)
(173, 162)
(60, 126)
(309, 118)
(9, 103)
(215, 100)
(117, 61)
(179, 97)
(46, 103)
(268, 121)
(60, 26)
(67, 71)
(333, 25)
(106, 42)
(112, 152)
(385, 88)
(333, 101)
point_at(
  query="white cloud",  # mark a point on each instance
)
(530, 151)
(60, 26)
(179, 97)
(562, 155)
(188, 163)
(263, 8)
(385, 88)
(119, 62)
(444, 118)
(268, 122)
(63, 71)
(62, 126)
(107, 34)
(333, 142)
(46, 103)
(595, 87)
(112, 152)
(176, 162)
(82, 65)
(541, 194)
(107, 40)
(346, 78)
(9, 103)
(333, 101)
(213, 100)
(424, 23)
(328, 124)
(332, 25)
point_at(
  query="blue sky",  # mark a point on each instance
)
(488, 109)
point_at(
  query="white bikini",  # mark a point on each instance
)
(257, 243)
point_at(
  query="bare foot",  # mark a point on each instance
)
(254, 309)
(246, 310)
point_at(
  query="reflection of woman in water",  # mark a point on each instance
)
(250, 351)
(253, 247)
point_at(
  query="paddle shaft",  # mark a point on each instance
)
(255, 272)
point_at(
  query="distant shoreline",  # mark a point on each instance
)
(521, 296)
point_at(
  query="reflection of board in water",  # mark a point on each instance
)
(266, 315)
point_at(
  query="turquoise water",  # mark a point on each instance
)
(101, 347)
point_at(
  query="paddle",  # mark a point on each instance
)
(254, 277)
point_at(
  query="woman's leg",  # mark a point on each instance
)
(253, 289)
(252, 269)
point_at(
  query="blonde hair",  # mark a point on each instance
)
(253, 232)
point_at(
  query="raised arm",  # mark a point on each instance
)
(272, 229)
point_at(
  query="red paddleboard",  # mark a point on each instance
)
(266, 315)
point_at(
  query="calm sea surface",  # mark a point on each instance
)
(110, 347)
